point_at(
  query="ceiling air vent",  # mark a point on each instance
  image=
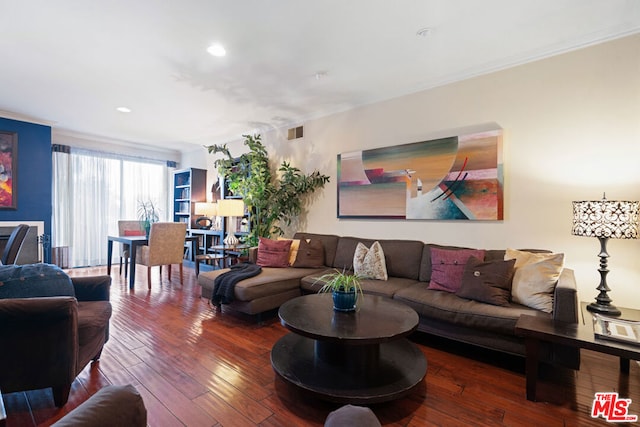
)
(295, 133)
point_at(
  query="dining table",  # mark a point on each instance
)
(134, 242)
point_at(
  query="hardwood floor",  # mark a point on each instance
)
(196, 367)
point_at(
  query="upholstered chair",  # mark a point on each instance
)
(166, 247)
(128, 227)
(51, 327)
(11, 250)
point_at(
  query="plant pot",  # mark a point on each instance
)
(147, 228)
(344, 301)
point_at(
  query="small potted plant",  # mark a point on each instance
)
(344, 287)
(147, 214)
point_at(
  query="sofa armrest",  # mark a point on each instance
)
(253, 254)
(112, 405)
(565, 299)
(92, 288)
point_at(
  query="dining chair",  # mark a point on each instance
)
(128, 227)
(166, 247)
(11, 250)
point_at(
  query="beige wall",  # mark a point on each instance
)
(571, 132)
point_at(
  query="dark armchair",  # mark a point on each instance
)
(45, 341)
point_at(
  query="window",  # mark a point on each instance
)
(93, 190)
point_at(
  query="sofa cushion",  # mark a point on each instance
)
(402, 257)
(270, 281)
(448, 265)
(369, 263)
(535, 278)
(310, 254)
(487, 281)
(388, 288)
(273, 253)
(34, 280)
(448, 307)
(329, 243)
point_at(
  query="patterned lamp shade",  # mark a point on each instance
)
(606, 218)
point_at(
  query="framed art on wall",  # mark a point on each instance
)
(8, 163)
(454, 178)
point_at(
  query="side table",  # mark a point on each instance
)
(581, 335)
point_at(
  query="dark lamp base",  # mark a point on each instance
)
(607, 310)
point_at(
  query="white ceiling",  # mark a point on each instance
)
(69, 63)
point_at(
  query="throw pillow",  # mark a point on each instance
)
(369, 263)
(134, 232)
(447, 266)
(535, 278)
(487, 281)
(34, 280)
(310, 254)
(273, 253)
(293, 251)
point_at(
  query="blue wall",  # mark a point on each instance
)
(34, 173)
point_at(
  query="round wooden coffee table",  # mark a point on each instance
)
(349, 357)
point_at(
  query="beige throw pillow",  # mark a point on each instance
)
(293, 251)
(535, 278)
(369, 262)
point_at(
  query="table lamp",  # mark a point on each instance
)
(207, 212)
(230, 208)
(605, 219)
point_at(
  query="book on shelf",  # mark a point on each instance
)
(612, 328)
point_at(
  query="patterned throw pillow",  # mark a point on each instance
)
(369, 262)
(535, 278)
(487, 281)
(447, 267)
(310, 254)
(273, 253)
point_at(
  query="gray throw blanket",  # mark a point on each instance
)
(225, 283)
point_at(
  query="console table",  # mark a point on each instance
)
(356, 357)
(581, 335)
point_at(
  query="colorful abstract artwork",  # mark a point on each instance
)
(8, 161)
(458, 177)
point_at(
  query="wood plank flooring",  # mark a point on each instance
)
(197, 367)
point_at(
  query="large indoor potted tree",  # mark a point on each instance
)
(273, 198)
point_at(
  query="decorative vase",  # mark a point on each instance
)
(147, 228)
(344, 301)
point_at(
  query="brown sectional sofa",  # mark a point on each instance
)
(408, 264)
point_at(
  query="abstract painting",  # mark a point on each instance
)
(454, 178)
(8, 161)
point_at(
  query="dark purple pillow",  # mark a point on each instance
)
(487, 281)
(310, 254)
(447, 266)
(273, 253)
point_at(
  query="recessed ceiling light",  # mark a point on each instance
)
(321, 75)
(216, 49)
(124, 109)
(424, 32)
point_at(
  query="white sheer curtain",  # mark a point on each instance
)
(92, 191)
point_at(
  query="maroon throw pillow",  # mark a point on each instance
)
(447, 266)
(273, 253)
(134, 232)
(487, 281)
(310, 254)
